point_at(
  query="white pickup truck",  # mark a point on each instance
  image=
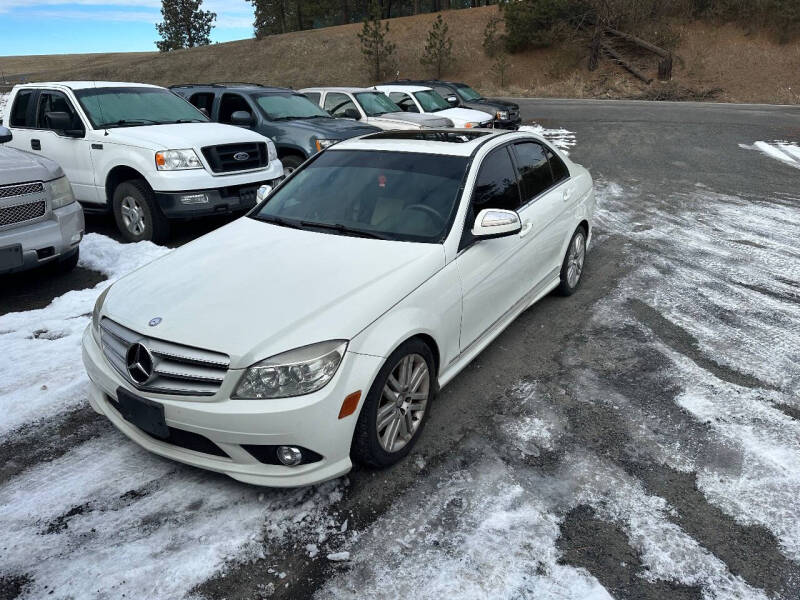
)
(140, 151)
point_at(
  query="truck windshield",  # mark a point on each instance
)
(376, 103)
(131, 106)
(404, 196)
(431, 101)
(467, 93)
(288, 106)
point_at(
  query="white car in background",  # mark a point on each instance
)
(371, 106)
(321, 326)
(421, 99)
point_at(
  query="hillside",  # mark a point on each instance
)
(721, 63)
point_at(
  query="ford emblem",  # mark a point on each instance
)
(155, 321)
(241, 156)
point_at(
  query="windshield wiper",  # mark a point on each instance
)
(178, 121)
(128, 123)
(278, 221)
(344, 229)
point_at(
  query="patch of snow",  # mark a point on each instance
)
(562, 139)
(3, 101)
(339, 556)
(786, 152)
(41, 371)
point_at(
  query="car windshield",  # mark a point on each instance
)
(389, 195)
(431, 101)
(376, 103)
(467, 93)
(131, 106)
(288, 106)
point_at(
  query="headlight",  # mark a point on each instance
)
(61, 192)
(294, 373)
(501, 115)
(177, 160)
(272, 151)
(472, 124)
(322, 144)
(98, 306)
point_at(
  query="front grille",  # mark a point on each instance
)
(19, 213)
(221, 158)
(176, 369)
(22, 189)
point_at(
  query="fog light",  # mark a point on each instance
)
(289, 455)
(194, 199)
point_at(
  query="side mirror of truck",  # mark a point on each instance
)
(62, 123)
(352, 113)
(452, 100)
(5, 135)
(242, 118)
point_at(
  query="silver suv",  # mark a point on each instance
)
(40, 222)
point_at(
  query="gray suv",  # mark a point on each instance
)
(40, 221)
(298, 127)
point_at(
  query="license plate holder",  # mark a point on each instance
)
(143, 413)
(11, 257)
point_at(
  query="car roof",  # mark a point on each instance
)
(451, 142)
(81, 85)
(405, 87)
(243, 87)
(347, 90)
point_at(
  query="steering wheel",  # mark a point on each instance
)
(431, 212)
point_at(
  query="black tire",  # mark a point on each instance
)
(68, 263)
(366, 447)
(154, 225)
(290, 162)
(568, 284)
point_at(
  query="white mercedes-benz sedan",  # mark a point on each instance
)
(319, 328)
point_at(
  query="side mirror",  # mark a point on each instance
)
(242, 118)
(204, 110)
(62, 122)
(5, 135)
(263, 191)
(452, 100)
(352, 113)
(496, 222)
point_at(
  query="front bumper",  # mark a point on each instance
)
(225, 200)
(508, 123)
(43, 242)
(309, 421)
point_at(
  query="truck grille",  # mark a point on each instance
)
(236, 157)
(175, 369)
(22, 189)
(20, 213)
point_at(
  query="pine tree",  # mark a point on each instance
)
(377, 50)
(184, 25)
(438, 48)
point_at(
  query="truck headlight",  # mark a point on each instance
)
(294, 373)
(501, 115)
(472, 124)
(272, 151)
(98, 306)
(61, 192)
(322, 144)
(177, 160)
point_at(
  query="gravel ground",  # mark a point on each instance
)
(639, 439)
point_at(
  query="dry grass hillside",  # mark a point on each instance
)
(722, 63)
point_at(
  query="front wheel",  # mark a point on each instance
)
(290, 163)
(572, 267)
(396, 406)
(137, 215)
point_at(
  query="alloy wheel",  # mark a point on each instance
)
(575, 258)
(132, 215)
(403, 402)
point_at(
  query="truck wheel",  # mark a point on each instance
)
(137, 215)
(290, 163)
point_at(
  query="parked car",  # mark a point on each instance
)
(506, 114)
(370, 106)
(141, 151)
(298, 127)
(375, 297)
(40, 221)
(422, 99)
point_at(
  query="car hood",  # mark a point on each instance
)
(460, 115)
(18, 166)
(426, 120)
(330, 128)
(494, 103)
(181, 135)
(252, 289)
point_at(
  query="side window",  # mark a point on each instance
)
(338, 104)
(560, 170)
(444, 92)
(50, 102)
(204, 101)
(19, 112)
(534, 170)
(313, 96)
(496, 186)
(404, 101)
(231, 103)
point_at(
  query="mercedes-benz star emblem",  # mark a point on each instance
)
(155, 321)
(241, 156)
(140, 363)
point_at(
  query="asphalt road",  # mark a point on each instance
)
(637, 437)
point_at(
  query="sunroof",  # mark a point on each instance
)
(430, 135)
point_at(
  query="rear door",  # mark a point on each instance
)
(20, 117)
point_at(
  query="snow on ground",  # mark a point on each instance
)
(786, 152)
(3, 101)
(47, 341)
(561, 138)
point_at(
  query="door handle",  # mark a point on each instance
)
(567, 193)
(526, 229)
(36, 145)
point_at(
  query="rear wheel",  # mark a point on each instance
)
(137, 215)
(396, 406)
(572, 267)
